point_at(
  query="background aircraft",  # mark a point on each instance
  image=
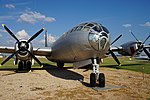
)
(133, 48)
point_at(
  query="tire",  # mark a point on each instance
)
(101, 80)
(28, 66)
(60, 65)
(92, 79)
(20, 66)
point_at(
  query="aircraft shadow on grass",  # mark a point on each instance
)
(62, 72)
(67, 74)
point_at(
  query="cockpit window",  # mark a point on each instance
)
(90, 25)
(86, 28)
(97, 28)
(104, 29)
(83, 24)
(75, 28)
(71, 30)
(79, 28)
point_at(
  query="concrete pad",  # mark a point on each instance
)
(107, 87)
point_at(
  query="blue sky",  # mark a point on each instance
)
(58, 16)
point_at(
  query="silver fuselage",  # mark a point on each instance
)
(80, 44)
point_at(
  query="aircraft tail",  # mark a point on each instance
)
(46, 38)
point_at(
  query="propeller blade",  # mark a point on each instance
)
(146, 52)
(115, 58)
(10, 33)
(9, 57)
(146, 39)
(133, 35)
(116, 39)
(35, 35)
(34, 57)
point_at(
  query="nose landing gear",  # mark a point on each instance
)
(96, 76)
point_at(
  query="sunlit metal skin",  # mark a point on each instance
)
(85, 41)
(81, 43)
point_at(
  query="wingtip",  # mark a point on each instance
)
(43, 28)
(3, 25)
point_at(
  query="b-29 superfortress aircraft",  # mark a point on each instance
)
(85, 44)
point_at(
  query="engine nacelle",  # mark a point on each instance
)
(21, 46)
(130, 49)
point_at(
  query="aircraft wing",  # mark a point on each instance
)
(36, 51)
(147, 47)
(42, 51)
(115, 49)
(7, 49)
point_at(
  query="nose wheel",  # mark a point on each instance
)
(96, 76)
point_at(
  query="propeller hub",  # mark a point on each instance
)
(23, 44)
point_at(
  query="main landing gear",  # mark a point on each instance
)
(24, 66)
(96, 76)
(60, 65)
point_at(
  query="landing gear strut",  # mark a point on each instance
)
(96, 76)
(60, 65)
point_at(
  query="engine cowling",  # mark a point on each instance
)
(23, 54)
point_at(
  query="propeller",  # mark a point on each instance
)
(141, 45)
(10, 33)
(116, 39)
(35, 35)
(133, 35)
(22, 48)
(9, 57)
(35, 58)
(146, 52)
(112, 53)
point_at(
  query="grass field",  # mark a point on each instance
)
(134, 65)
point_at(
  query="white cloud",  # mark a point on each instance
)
(126, 25)
(22, 34)
(147, 24)
(9, 6)
(33, 17)
(51, 39)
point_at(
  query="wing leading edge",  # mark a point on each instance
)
(36, 51)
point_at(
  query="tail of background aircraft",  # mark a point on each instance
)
(46, 38)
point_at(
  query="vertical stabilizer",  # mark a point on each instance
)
(46, 38)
